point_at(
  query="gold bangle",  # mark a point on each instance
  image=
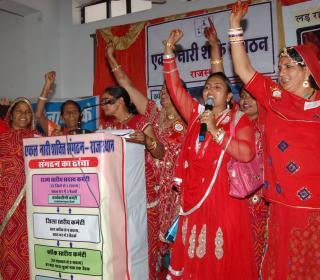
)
(218, 137)
(215, 62)
(152, 146)
(43, 98)
(115, 68)
(170, 46)
(168, 56)
(237, 29)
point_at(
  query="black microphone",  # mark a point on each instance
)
(203, 127)
(94, 105)
(80, 130)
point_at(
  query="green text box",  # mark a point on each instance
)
(68, 260)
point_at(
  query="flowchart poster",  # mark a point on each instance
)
(76, 207)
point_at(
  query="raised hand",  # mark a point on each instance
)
(238, 10)
(109, 50)
(175, 36)
(210, 33)
(49, 78)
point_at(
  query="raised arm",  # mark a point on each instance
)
(179, 95)
(216, 61)
(137, 97)
(42, 99)
(240, 59)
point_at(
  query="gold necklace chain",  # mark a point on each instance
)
(126, 119)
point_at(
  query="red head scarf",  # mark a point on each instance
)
(309, 55)
(17, 100)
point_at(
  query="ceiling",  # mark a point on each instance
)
(86, 2)
(17, 8)
(13, 7)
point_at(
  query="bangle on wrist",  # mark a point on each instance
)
(168, 56)
(169, 45)
(116, 68)
(218, 136)
(153, 145)
(43, 98)
(216, 61)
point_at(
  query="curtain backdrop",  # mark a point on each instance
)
(291, 2)
(129, 41)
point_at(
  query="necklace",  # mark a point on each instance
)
(126, 118)
(171, 117)
(309, 95)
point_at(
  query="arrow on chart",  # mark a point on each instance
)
(60, 275)
(71, 277)
(58, 210)
(70, 244)
(69, 210)
(58, 243)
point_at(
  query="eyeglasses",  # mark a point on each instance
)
(107, 101)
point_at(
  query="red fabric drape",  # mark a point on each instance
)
(131, 59)
(291, 2)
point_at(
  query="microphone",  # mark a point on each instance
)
(203, 127)
(80, 130)
(94, 105)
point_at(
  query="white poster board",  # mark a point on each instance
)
(79, 205)
(193, 54)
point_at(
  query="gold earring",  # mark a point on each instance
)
(306, 84)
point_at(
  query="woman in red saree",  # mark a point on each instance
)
(291, 152)
(258, 207)
(214, 238)
(14, 258)
(170, 129)
(120, 113)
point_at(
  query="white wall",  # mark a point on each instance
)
(32, 45)
(12, 55)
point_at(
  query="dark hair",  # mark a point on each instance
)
(64, 104)
(313, 83)
(242, 89)
(227, 82)
(223, 77)
(117, 92)
(293, 54)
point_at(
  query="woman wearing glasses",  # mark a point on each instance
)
(121, 113)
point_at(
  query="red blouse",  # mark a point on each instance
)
(292, 144)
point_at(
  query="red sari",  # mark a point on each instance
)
(14, 256)
(258, 207)
(171, 135)
(291, 151)
(215, 240)
(140, 122)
